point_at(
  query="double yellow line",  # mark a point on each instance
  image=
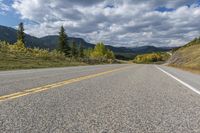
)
(54, 85)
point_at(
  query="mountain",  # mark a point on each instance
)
(187, 56)
(51, 41)
(9, 34)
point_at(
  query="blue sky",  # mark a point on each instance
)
(115, 22)
(10, 18)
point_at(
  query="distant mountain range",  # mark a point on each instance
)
(9, 34)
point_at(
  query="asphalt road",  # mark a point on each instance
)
(100, 99)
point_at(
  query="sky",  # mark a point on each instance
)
(128, 23)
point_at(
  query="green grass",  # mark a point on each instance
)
(16, 61)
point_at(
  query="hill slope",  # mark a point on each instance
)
(187, 56)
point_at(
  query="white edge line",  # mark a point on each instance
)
(185, 84)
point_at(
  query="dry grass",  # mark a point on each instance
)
(195, 71)
(16, 61)
(187, 58)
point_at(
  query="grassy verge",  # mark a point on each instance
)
(17, 56)
(16, 61)
(193, 70)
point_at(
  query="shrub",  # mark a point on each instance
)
(18, 47)
(100, 52)
(4, 46)
(42, 53)
(149, 58)
(57, 54)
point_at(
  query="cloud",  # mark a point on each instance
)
(115, 22)
(3, 8)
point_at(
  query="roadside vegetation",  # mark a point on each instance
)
(187, 57)
(159, 57)
(17, 56)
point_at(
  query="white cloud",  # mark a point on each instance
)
(3, 8)
(116, 22)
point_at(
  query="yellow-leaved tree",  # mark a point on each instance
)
(18, 47)
(100, 52)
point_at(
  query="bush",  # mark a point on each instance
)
(150, 58)
(100, 52)
(57, 54)
(19, 49)
(41, 53)
(4, 46)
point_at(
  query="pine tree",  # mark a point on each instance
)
(62, 39)
(80, 51)
(74, 52)
(63, 43)
(20, 33)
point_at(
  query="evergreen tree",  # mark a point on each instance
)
(74, 51)
(20, 33)
(80, 51)
(62, 39)
(63, 43)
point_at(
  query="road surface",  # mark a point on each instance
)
(103, 98)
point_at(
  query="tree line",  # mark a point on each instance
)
(64, 46)
(99, 52)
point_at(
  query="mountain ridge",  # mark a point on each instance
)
(49, 42)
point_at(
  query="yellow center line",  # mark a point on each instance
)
(54, 85)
